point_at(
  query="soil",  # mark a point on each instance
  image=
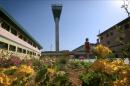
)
(74, 76)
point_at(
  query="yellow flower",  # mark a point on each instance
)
(51, 70)
(4, 79)
(25, 69)
(1, 80)
(118, 62)
(13, 67)
(115, 68)
(102, 51)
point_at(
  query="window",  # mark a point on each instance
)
(13, 31)
(34, 45)
(108, 42)
(34, 53)
(113, 51)
(111, 33)
(30, 42)
(31, 53)
(121, 38)
(24, 51)
(12, 48)
(24, 39)
(19, 50)
(107, 35)
(3, 45)
(28, 52)
(126, 26)
(101, 38)
(1, 20)
(5, 26)
(20, 36)
(38, 55)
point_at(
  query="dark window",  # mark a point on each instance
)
(34, 53)
(116, 55)
(30, 42)
(111, 33)
(107, 35)
(101, 38)
(113, 51)
(3, 45)
(19, 50)
(126, 26)
(34, 45)
(24, 51)
(108, 42)
(28, 52)
(121, 38)
(12, 48)
(5, 26)
(13, 31)
(24, 39)
(20, 36)
(38, 54)
(31, 53)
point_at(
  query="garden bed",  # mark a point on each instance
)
(60, 71)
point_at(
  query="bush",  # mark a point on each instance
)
(79, 64)
(90, 78)
(102, 51)
(14, 61)
(104, 72)
(41, 77)
(16, 76)
(61, 79)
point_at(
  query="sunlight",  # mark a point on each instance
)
(118, 2)
(121, 2)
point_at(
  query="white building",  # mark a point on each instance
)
(14, 38)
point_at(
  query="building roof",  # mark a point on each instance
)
(4, 13)
(125, 20)
(81, 48)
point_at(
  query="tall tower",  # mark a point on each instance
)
(56, 9)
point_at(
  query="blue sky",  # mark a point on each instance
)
(79, 19)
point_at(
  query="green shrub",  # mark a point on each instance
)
(41, 77)
(90, 78)
(61, 80)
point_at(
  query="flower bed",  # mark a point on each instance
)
(17, 72)
(59, 71)
(105, 71)
(13, 76)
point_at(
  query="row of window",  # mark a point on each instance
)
(120, 39)
(13, 48)
(14, 32)
(126, 26)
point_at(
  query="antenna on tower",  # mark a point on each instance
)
(99, 31)
(125, 6)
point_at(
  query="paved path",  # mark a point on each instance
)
(92, 60)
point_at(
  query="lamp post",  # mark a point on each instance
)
(56, 9)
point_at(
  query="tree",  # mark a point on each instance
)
(125, 6)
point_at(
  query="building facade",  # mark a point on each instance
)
(14, 38)
(116, 36)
